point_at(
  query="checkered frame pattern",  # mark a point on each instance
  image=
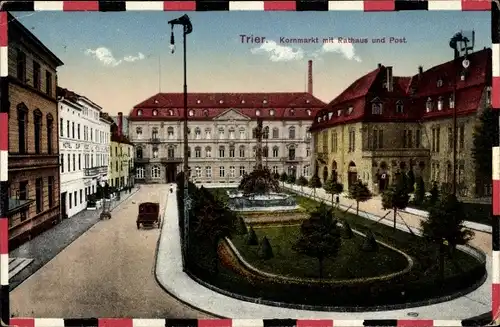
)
(214, 5)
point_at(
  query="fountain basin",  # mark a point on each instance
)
(261, 202)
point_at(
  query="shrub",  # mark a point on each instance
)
(370, 244)
(419, 191)
(291, 179)
(434, 194)
(266, 251)
(347, 231)
(410, 181)
(360, 193)
(252, 237)
(241, 227)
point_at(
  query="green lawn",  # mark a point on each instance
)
(351, 262)
(415, 246)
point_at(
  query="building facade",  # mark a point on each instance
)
(382, 125)
(121, 162)
(85, 136)
(33, 165)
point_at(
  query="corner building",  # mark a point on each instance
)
(383, 124)
(33, 140)
(222, 138)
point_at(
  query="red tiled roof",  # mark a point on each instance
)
(291, 105)
(360, 94)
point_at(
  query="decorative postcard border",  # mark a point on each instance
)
(215, 5)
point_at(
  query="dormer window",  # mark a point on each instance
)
(440, 104)
(324, 117)
(309, 110)
(264, 101)
(170, 112)
(292, 112)
(428, 105)
(191, 113)
(307, 101)
(139, 112)
(452, 101)
(376, 108)
(156, 101)
(205, 113)
(242, 101)
(257, 112)
(349, 110)
(271, 112)
(330, 115)
(221, 101)
(198, 101)
(439, 83)
(399, 107)
(462, 77)
(318, 119)
(155, 112)
(339, 112)
(488, 96)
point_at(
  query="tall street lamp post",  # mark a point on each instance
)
(466, 45)
(185, 22)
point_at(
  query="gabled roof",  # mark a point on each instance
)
(359, 88)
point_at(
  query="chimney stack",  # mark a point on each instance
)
(310, 77)
(379, 65)
(389, 79)
(120, 123)
(420, 70)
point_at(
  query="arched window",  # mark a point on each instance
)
(208, 152)
(155, 153)
(138, 153)
(276, 133)
(170, 112)
(37, 121)
(155, 172)
(139, 173)
(440, 103)
(276, 151)
(231, 133)
(171, 152)
(170, 133)
(50, 133)
(221, 151)
(197, 152)
(428, 105)
(242, 151)
(138, 131)
(291, 152)
(376, 108)
(399, 107)
(291, 133)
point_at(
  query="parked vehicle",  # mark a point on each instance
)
(149, 215)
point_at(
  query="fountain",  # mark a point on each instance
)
(260, 191)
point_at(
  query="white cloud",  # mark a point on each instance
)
(278, 52)
(345, 49)
(106, 57)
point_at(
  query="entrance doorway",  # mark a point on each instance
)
(171, 171)
(352, 174)
(383, 177)
(64, 214)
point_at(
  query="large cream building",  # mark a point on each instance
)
(383, 124)
(221, 137)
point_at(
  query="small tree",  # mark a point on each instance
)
(396, 197)
(252, 237)
(241, 227)
(319, 236)
(276, 176)
(314, 183)
(283, 178)
(419, 191)
(302, 181)
(265, 251)
(360, 193)
(410, 180)
(333, 187)
(370, 244)
(291, 179)
(348, 233)
(434, 194)
(445, 227)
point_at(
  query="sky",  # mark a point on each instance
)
(120, 59)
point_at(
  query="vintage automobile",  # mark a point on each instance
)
(149, 215)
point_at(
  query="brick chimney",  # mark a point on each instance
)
(120, 123)
(420, 70)
(389, 79)
(310, 77)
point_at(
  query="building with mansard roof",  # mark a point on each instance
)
(221, 130)
(383, 124)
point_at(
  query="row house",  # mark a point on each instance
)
(84, 137)
(121, 164)
(222, 134)
(33, 163)
(382, 125)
